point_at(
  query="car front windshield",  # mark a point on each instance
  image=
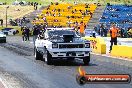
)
(60, 33)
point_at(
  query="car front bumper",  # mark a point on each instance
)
(65, 53)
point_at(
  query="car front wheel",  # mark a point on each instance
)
(38, 56)
(86, 60)
(48, 58)
(4, 41)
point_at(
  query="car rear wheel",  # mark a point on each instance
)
(38, 55)
(86, 60)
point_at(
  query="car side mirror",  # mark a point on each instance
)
(41, 37)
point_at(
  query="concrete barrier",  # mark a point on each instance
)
(98, 44)
(122, 51)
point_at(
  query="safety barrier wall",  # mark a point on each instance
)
(98, 44)
(122, 51)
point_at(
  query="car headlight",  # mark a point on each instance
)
(55, 45)
(4, 35)
(87, 45)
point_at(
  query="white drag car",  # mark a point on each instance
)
(61, 43)
(2, 37)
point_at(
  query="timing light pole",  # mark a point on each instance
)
(6, 15)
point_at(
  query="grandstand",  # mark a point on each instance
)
(66, 15)
(119, 14)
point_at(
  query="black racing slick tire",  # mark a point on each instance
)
(49, 58)
(4, 41)
(86, 60)
(38, 55)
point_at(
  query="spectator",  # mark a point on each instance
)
(56, 3)
(35, 33)
(113, 33)
(122, 33)
(17, 31)
(76, 24)
(86, 5)
(1, 20)
(22, 28)
(4, 3)
(14, 32)
(27, 33)
(44, 26)
(13, 23)
(125, 33)
(102, 30)
(91, 14)
(28, 3)
(35, 5)
(129, 32)
(75, 10)
(59, 10)
(75, 2)
(82, 29)
(31, 3)
(24, 34)
(105, 32)
(95, 29)
(21, 3)
(87, 11)
(99, 31)
(51, 3)
(59, 14)
(18, 22)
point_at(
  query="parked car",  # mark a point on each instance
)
(10, 31)
(2, 37)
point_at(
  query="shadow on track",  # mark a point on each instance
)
(70, 63)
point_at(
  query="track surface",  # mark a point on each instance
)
(19, 69)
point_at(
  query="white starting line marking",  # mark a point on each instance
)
(3, 84)
(113, 57)
(31, 42)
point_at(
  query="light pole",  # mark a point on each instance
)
(6, 15)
